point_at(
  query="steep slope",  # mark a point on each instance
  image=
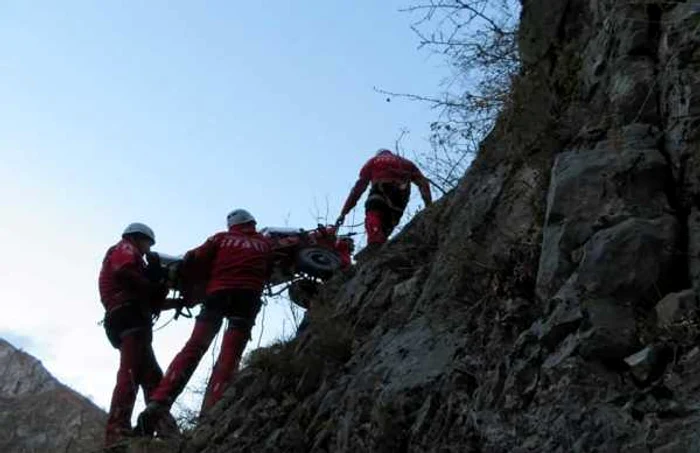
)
(502, 318)
(38, 413)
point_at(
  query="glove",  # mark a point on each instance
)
(154, 271)
(162, 292)
(158, 295)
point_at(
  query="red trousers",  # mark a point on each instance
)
(241, 309)
(379, 224)
(185, 363)
(137, 368)
(232, 347)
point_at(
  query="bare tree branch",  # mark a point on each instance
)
(478, 39)
(397, 143)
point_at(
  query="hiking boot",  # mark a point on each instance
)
(166, 427)
(148, 420)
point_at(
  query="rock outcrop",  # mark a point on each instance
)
(549, 303)
(39, 414)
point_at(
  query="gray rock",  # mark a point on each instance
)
(566, 349)
(564, 320)
(22, 374)
(676, 307)
(694, 248)
(396, 359)
(640, 363)
(611, 332)
(594, 189)
(535, 41)
(38, 413)
(649, 363)
(632, 85)
(631, 261)
(622, 267)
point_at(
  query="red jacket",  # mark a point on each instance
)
(387, 168)
(123, 276)
(239, 258)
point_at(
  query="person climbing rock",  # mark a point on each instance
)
(132, 293)
(237, 263)
(391, 177)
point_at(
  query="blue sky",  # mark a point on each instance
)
(174, 113)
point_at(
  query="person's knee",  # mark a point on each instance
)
(242, 324)
(205, 330)
(196, 346)
(211, 313)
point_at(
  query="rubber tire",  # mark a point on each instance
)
(318, 262)
(301, 292)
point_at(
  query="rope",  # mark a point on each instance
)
(275, 294)
(166, 323)
(262, 325)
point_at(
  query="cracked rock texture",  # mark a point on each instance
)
(547, 304)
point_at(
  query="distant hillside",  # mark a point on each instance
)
(38, 413)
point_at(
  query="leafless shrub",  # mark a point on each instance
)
(478, 39)
(328, 342)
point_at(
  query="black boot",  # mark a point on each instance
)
(147, 421)
(167, 428)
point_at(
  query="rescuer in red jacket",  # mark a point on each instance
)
(238, 263)
(391, 177)
(131, 293)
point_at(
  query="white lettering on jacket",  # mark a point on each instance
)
(244, 243)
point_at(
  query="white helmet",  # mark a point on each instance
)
(382, 151)
(239, 216)
(140, 228)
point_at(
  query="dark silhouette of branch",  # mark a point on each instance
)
(397, 143)
(478, 38)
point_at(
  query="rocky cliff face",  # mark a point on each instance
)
(38, 413)
(549, 303)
